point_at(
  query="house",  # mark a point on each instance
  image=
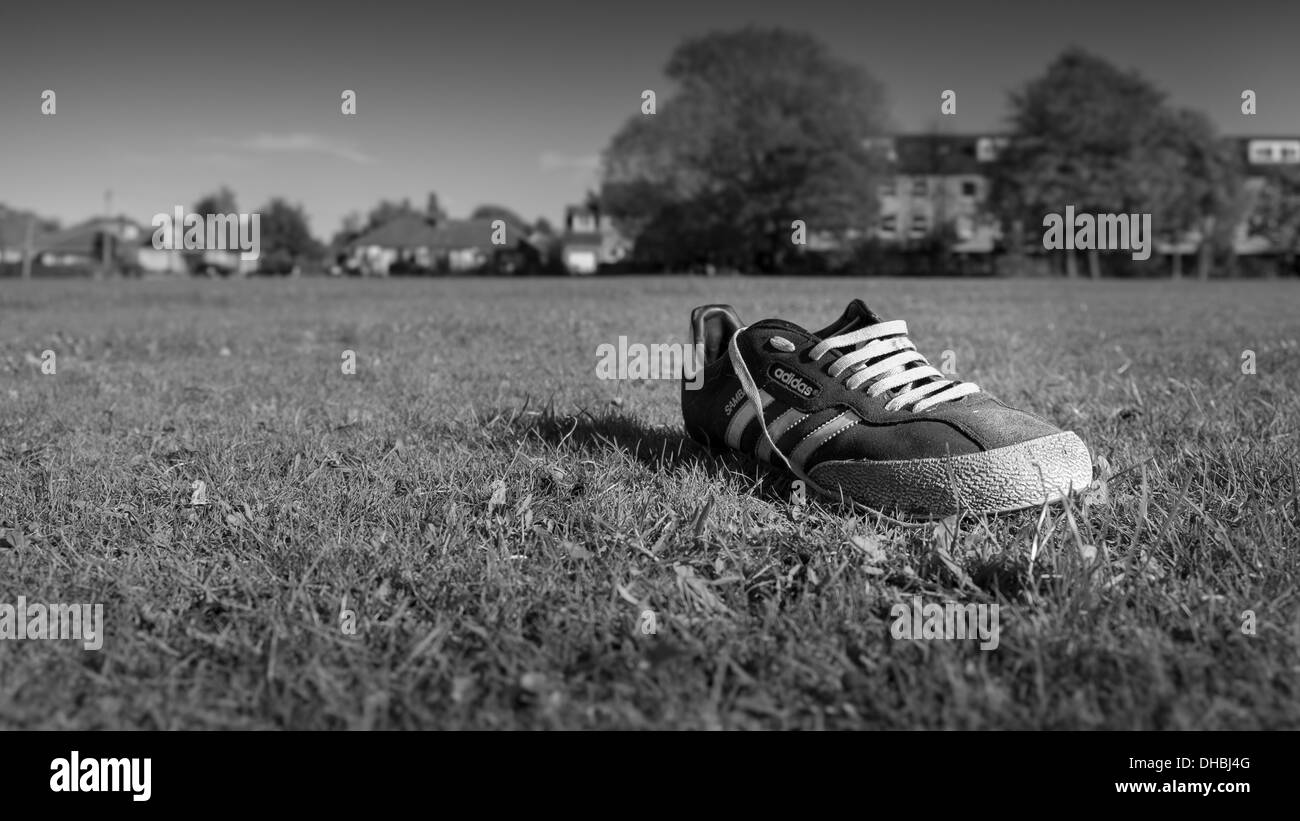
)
(943, 179)
(1260, 156)
(590, 240)
(470, 245)
(92, 244)
(411, 243)
(936, 180)
(122, 244)
(82, 247)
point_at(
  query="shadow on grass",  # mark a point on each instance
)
(661, 448)
(664, 448)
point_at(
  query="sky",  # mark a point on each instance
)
(511, 103)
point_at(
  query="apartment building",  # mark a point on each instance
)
(936, 180)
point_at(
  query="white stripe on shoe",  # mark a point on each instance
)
(779, 426)
(823, 434)
(745, 414)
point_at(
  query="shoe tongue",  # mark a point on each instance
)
(855, 317)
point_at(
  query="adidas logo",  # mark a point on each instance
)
(793, 381)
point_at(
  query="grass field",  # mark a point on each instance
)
(496, 518)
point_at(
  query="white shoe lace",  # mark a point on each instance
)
(903, 365)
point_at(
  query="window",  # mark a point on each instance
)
(965, 228)
(888, 188)
(889, 224)
(988, 148)
(920, 225)
(1274, 151)
(969, 188)
(883, 146)
(919, 187)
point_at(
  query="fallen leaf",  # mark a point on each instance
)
(461, 686)
(870, 546)
(577, 551)
(498, 495)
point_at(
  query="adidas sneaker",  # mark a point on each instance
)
(856, 412)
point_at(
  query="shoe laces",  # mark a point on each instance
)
(891, 362)
(883, 359)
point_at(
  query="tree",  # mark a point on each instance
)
(221, 201)
(386, 210)
(1193, 183)
(766, 127)
(286, 241)
(433, 208)
(1076, 134)
(495, 212)
(1278, 214)
(351, 228)
(19, 230)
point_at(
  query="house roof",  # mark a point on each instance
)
(1245, 138)
(402, 231)
(456, 234)
(957, 153)
(949, 154)
(80, 238)
(937, 154)
(414, 231)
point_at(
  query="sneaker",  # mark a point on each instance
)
(858, 414)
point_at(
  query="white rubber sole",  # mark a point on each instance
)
(1026, 474)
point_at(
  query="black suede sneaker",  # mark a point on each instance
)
(858, 414)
